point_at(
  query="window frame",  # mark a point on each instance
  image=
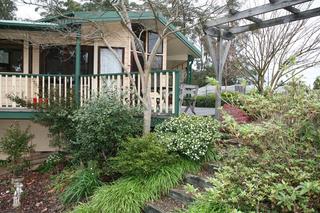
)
(10, 50)
(99, 57)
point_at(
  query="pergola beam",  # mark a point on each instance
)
(255, 11)
(290, 9)
(277, 21)
(252, 18)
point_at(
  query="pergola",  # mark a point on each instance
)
(219, 33)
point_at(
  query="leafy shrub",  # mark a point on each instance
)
(16, 143)
(102, 124)
(277, 161)
(51, 162)
(56, 115)
(129, 195)
(141, 157)
(189, 136)
(210, 99)
(81, 184)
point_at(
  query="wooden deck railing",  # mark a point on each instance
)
(44, 88)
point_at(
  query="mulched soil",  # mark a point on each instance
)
(37, 195)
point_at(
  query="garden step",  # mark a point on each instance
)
(211, 168)
(150, 208)
(181, 196)
(197, 181)
(165, 204)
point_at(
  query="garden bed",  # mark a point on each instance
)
(37, 195)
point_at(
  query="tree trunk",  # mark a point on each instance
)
(147, 120)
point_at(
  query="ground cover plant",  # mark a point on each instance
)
(276, 160)
(128, 195)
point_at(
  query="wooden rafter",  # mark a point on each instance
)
(290, 8)
(255, 11)
(252, 18)
(277, 21)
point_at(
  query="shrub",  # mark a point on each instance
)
(81, 184)
(16, 143)
(129, 195)
(277, 160)
(210, 99)
(102, 124)
(189, 136)
(56, 115)
(51, 162)
(141, 157)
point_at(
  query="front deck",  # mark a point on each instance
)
(44, 89)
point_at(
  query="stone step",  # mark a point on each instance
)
(150, 208)
(181, 196)
(197, 181)
(211, 168)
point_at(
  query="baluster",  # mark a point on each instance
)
(155, 91)
(167, 92)
(6, 89)
(60, 84)
(1, 91)
(161, 93)
(173, 92)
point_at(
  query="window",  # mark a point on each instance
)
(109, 63)
(152, 40)
(61, 60)
(148, 39)
(11, 56)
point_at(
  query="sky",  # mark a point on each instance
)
(28, 12)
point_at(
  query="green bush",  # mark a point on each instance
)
(277, 160)
(56, 115)
(210, 99)
(51, 162)
(189, 136)
(141, 157)
(102, 124)
(16, 143)
(81, 184)
(129, 195)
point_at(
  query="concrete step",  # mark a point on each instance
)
(181, 195)
(197, 181)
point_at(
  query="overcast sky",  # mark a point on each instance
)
(28, 12)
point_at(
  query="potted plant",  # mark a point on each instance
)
(16, 143)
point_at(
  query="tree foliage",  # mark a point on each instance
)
(7, 9)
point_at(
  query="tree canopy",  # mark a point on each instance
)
(7, 9)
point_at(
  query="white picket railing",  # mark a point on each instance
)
(163, 87)
(34, 88)
(43, 88)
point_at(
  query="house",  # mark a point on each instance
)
(38, 61)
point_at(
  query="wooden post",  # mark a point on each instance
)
(189, 69)
(77, 69)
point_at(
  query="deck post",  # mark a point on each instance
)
(177, 93)
(77, 68)
(189, 69)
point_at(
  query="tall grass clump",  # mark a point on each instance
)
(128, 195)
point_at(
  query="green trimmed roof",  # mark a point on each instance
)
(105, 16)
(57, 22)
(29, 25)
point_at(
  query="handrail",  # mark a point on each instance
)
(85, 75)
(33, 75)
